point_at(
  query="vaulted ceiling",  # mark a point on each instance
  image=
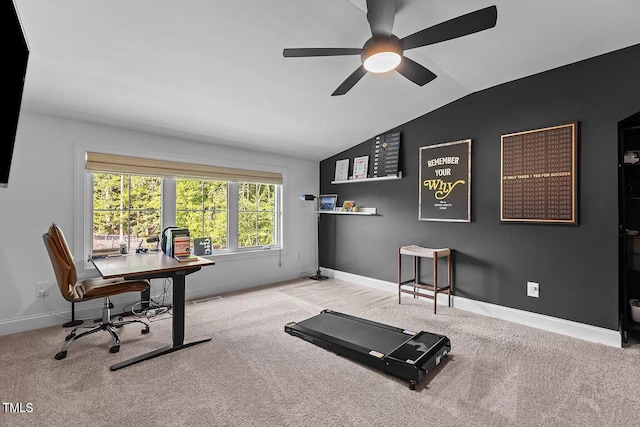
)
(214, 71)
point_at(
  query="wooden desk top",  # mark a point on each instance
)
(140, 264)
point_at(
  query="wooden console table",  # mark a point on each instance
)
(419, 252)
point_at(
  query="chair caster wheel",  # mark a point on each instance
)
(114, 349)
(68, 337)
(61, 355)
(145, 330)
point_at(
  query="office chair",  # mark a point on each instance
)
(74, 291)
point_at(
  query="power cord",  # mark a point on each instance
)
(53, 312)
(87, 319)
(155, 307)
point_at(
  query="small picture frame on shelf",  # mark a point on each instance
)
(360, 167)
(202, 246)
(342, 170)
(347, 205)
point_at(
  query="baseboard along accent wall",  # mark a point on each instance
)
(552, 324)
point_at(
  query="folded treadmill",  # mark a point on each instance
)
(399, 352)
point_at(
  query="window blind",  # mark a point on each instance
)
(113, 163)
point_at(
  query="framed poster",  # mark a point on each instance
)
(360, 167)
(538, 175)
(342, 170)
(445, 182)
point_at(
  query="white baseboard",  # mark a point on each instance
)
(93, 309)
(86, 311)
(553, 324)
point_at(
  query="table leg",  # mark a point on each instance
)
(178, 310)
(399, 277)
(177, 327)
(449, 279)
(73, 321)
(416, 274)
(145, 299)
(435, 282)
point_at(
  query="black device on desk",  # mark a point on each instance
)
(168, 234)
(142, 250)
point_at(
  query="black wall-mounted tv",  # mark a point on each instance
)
(14, 70)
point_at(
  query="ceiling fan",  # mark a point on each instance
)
(384, 51)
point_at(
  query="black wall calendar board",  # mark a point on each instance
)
(385, 155)
(538, 178)
(445, 182)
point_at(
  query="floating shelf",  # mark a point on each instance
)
(363, 211)
(379, 178)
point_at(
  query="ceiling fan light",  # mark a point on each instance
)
(380, 55)
(382, 62)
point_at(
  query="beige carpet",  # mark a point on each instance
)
(254, 374)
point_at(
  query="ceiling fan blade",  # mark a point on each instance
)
(415, 72)
(329, 51)
(470, 23)
(350, 81)
(381, 14)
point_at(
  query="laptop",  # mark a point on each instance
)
(327, 202)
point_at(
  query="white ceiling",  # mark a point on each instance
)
(213, 70)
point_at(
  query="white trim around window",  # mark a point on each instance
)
(83, 197)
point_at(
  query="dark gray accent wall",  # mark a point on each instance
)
(576, 266)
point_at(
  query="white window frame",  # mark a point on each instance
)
(232, 219)
(83, 230)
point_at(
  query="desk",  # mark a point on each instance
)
(155, 266)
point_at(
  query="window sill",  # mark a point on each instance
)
(244, 254)
(89, 271)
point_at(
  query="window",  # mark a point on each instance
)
(201, 206)
(239, 209)
(256, 215)
(236, 215)
(126, 210)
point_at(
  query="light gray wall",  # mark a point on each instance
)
(43, 187)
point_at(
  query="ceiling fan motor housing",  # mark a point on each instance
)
(390, 45)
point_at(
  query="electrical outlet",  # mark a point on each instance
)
(533, 289)
(42, 289)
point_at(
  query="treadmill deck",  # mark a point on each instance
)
(400, 352)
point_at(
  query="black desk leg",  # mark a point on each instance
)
(73, 321)
(145, 299)
(178, 309)
(177, 327)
